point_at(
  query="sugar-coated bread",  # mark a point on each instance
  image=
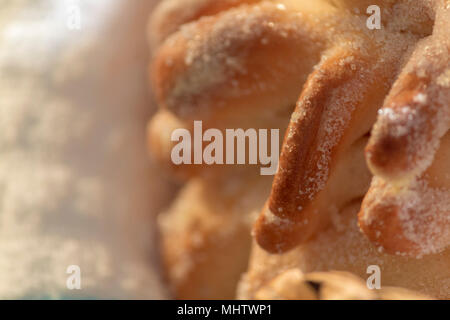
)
(363, 176)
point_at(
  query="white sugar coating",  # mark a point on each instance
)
(277, 220)
(349, 250)
(404, 117)
(338, 110)
(213, 60)
(444, 79)
(220, 55)
(281, 6)
(418, 19)
(420, 98)
(171, 12)
(342, 102)
(424, 212)
(427, 119)
(219, 59)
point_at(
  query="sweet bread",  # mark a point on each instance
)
(293, 285)
(343, 247)
(406, 212)
(205, 235)
(367, 141)
(217, 107)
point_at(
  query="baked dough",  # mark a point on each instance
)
(406, 212)
(242, 64)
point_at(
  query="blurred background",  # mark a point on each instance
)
(77, 186)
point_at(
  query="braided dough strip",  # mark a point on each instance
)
(223, 79)
(336, 109)
(216, 70)
(407, 209)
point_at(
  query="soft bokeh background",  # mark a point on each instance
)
(76, 183)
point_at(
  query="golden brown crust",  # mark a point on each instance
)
(170, 15)
(406, 211)
(240, 66)
(211, 68)
(411, 218)
(407, 208)
(335, 110)
(205, 235)
(343, 247)
(292, 284)
(286, 221)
